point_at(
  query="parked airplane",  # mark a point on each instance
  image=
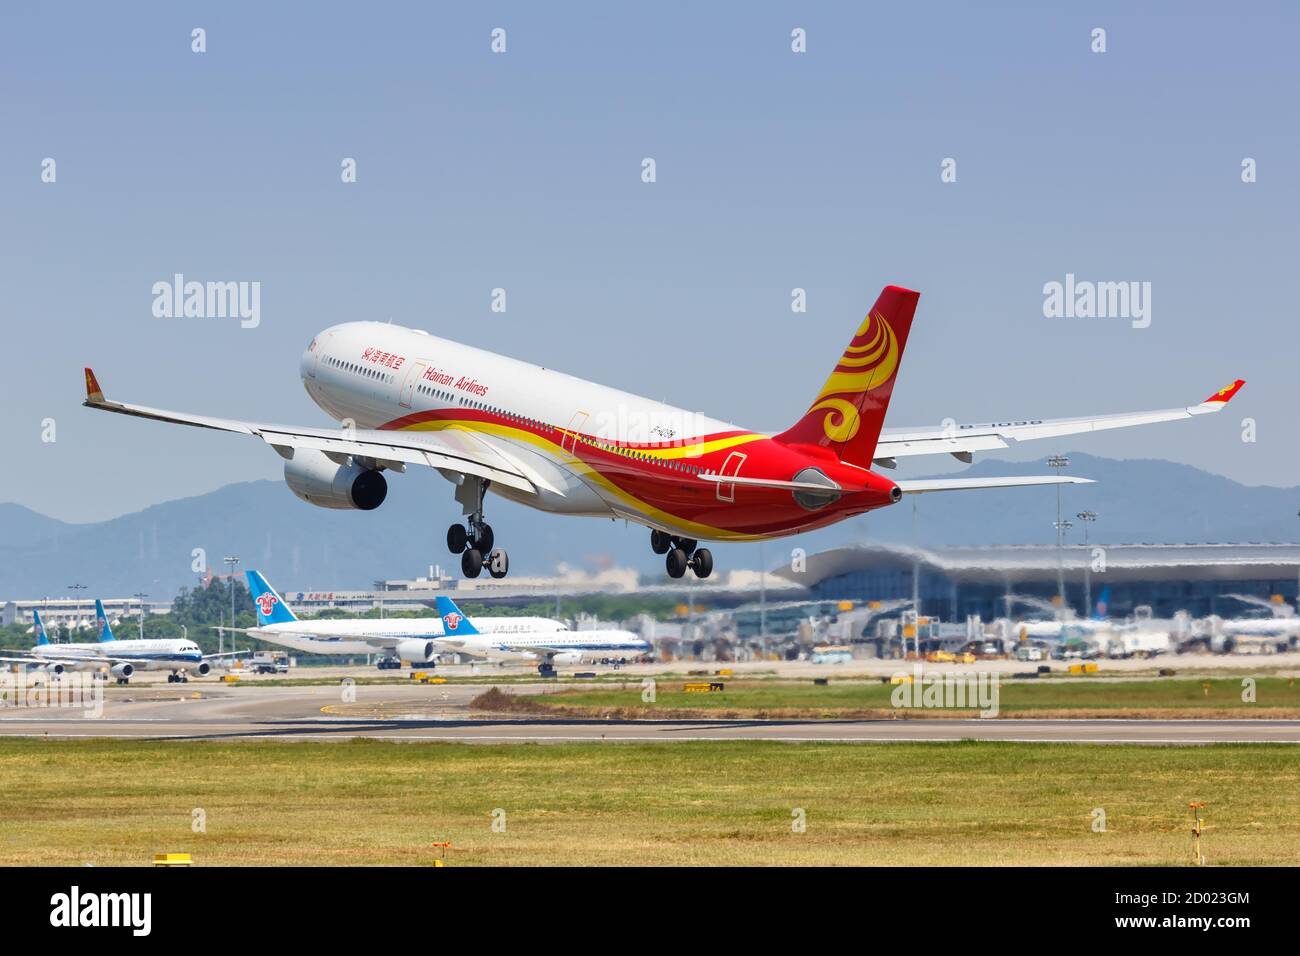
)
(121, 658)
(569, 446)
(1064, 624)
(1279, 631)
(408, 639)
(556, 647)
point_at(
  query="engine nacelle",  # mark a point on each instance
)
(414, 650)
(55, 669)
(122, 671)
(567, 657)
(201, 669)
(314, 478)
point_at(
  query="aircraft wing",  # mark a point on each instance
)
(79, 659)
(920, 486)
(377, 640)
(961, 440)
(459, 451)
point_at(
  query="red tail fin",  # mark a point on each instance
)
(847, 414)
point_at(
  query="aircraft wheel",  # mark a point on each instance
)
(457, 538)
(702, 563)
(484, 540)
(498, 563)
(471, 563)
(676, 563)
(171, 678)
(660, 542)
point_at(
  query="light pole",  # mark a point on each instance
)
(230, 561)
(76, 593)
(916, 587)
(762, 600)
(1058, 462)
(140, 596)
(1087, 517)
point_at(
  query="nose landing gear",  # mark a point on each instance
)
(682, 554)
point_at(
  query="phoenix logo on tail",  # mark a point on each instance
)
(870, 360)
(847, 415)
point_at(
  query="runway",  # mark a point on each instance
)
(442, 713)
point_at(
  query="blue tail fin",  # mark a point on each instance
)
(101, 622)
(271, 608)
(39, 627)
(1103, 604)
(453, 622)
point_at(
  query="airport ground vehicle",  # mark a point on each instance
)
(269, 662)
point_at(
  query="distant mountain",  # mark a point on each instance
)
(306, 548)
(21, 526)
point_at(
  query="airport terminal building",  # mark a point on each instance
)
(955, 582)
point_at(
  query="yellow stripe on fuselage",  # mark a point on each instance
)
(589, 471)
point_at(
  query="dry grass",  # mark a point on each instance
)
(369, 802)
(1276, 698)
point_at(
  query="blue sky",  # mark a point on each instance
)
(522, 170)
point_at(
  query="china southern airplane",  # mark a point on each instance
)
(557, 647)
(120, 658)
(565, 445)
(408, 639)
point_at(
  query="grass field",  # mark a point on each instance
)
(369, 802)
(1274, 697)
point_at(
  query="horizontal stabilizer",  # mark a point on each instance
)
(920, 486)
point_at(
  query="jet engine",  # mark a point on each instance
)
(318, 480)
(414, 650)
(567, 657)
(122, 671)
(201, 669)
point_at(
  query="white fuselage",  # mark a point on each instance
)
(370, 636)
(146, 654)
(436, 374)
(570, 646)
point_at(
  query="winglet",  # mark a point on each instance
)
(1224, 395)
(94, 394)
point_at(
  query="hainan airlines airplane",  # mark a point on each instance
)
(121, 658)
(408, 639)
(568, 446)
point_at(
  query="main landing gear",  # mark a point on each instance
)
(682, 554)
(175, 677)
(473, 541)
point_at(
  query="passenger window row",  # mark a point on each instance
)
(356, 369)
(449, 398)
